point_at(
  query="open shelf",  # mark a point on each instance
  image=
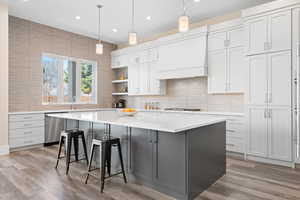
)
(120, 94)
(120, 81)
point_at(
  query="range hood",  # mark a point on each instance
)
(183, 55)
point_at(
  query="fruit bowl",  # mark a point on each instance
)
(128, 112)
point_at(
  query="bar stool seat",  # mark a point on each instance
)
(66, 138)
(105, 145)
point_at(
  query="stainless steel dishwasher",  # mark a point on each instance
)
(53, 127)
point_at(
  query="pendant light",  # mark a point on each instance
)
(99, 45)
(183, 21)
(132, 36)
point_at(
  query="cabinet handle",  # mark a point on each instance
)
(27, 124)
(27, 117)
(231, 145)
(266, 46)
(28, 132)
(265, 113)
(270, 113)
(231, 131)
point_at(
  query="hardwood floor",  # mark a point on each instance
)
(31, 175)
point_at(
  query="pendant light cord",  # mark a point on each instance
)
(184, 8)
(132, 20)
(99, 29)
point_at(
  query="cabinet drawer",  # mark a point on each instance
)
(234, 145)
(235, 130)
(26, 141)
(15, 133)
(27, 117)
(26, 124)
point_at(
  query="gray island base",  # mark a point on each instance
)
(180, 164)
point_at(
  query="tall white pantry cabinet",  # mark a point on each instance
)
(272, 68)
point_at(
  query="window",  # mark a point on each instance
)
(68, 80)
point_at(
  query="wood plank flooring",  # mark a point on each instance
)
(31, 175)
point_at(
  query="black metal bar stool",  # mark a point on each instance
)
(66, 137)
(105, 144)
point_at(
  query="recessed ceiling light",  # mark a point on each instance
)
(148, 18)
(25, 0)
(77, 17)
(114, 30)
(196, 0)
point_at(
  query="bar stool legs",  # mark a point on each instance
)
(121, 161)
(67, 137)
(105, 147)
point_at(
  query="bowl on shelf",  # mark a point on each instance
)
(128, 111)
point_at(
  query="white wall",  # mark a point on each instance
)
(4, 149)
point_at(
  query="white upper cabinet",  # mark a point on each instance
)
(279, 79)
(270, 79)
(256, 35)
(217, 41)
(217, 71)
(269, 33)
(236, 69)
(280, 31)
(258, 80)
(226, 60)
(142, 74)
(134, 75)
(119, 61)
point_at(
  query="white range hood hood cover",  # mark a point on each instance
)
(183, 55)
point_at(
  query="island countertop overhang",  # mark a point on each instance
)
(158, 121)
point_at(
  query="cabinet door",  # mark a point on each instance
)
(144, 78)
(280, 31)
(236, 69)
(133, 76)
(156, 86)
(279, 81)
(257, 132)
(216, 41)
(141, 156)
(256, 35)
(236, 37)
(258, 84)
(170, 161)
(280, 134)
(217, 71)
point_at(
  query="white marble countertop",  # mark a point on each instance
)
(162, 121)
(100, 109)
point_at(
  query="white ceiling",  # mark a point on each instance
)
(117, 14)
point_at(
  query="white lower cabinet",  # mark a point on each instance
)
(26, 130)
(235, 133)
(270, 133)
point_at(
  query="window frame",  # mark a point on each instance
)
(60, 90)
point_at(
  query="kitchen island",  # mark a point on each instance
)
(180, 154)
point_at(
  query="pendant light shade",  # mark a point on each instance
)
(99, 46)
(183, 21)
(132, 36)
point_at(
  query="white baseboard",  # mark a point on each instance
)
(270, 161)
(4, 150)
